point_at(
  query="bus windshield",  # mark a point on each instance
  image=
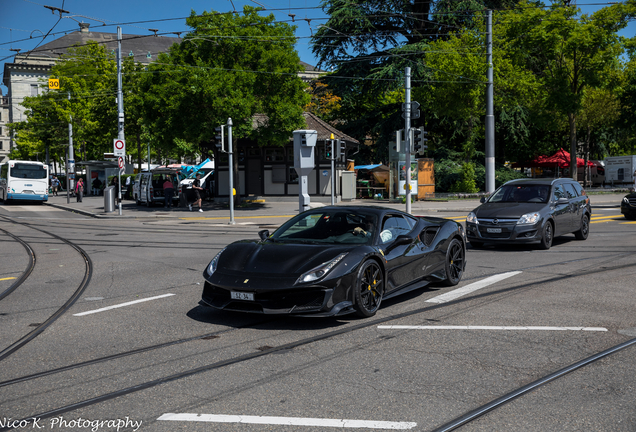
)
(28, 171)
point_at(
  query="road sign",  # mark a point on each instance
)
(121, 163)
(54, 84)
(119, 147)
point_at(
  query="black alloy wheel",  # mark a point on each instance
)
(582, 233)
(369, 289)
(455, 259)
(546, 236)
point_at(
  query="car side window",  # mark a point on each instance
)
(578, 188)
(392, 227)
(559, 192)
(569, 189)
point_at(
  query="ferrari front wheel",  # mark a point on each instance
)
(369, 289)
(455, 256)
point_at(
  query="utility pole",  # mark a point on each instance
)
(490, 117)
(70, 160)
(407, 135)
(230, 169)
(333, 171)
(120, 109)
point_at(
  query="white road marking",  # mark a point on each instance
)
(471, 287)
(473, 327)
(287, 421)
(122, 305)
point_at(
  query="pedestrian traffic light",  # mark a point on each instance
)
(328, 149)
(219, 139)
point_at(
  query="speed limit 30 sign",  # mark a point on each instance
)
(119, 147)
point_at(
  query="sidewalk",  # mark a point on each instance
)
(274, 207)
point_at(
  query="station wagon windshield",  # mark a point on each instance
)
(328, 227)
(521, 193)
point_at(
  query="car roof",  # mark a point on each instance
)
(540, 181)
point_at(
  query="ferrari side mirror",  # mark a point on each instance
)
(263, 234)
(399, 241)
(482, 199)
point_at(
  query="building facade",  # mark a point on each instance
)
(5, 141)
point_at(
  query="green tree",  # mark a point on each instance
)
(229, 66)
(568, 52)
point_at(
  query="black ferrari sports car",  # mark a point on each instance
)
(335, 260)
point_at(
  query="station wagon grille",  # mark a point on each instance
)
(632, 202)
(500, 222)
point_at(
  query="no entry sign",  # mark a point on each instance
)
(119, 147)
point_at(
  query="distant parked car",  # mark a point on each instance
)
(628, 206)
(531, 211)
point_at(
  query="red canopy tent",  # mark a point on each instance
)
(562, 159)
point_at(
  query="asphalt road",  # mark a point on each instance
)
(161, 362)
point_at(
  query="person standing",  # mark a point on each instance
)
(634, 180)
(97, 184)
(79, 189)
(168, 192)
(55, 184)
(196, 186)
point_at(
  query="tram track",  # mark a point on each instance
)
(25, 274)
(488, 296)
(41, 327)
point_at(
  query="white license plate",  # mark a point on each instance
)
(241, 296)
(493, 230)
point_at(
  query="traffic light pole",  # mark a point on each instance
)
(407, 136)
(230, 169)
(120, 113)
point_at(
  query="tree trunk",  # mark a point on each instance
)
(573, 167)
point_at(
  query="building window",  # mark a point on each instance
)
(275, 155)
(292, 176)
(34, 89)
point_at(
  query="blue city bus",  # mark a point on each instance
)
(24, 181)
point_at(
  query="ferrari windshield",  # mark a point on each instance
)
(332, 226)
(526, 193)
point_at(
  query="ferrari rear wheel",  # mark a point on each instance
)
(455, 258)
(369, 289)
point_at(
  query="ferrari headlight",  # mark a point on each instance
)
(529, 219)
(214, 262)
(320, 271)
(472, 218)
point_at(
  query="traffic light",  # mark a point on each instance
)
(328, 149)
(418, 140)
(340, 149)
(219, 138)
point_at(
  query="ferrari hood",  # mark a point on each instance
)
(506, 210)
(276, 258)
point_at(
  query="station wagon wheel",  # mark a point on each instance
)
(369, 289)
(454, 263)
(585, 228)
(546, 237)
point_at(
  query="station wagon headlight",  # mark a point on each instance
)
(215, 261)
(472, 218)
(625, 200)
(320, 271)
(529, 219)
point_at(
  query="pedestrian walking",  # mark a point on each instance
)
(55, 184)
(79, 189)
(168, 192)
(196, 187)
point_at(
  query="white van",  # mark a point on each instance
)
(148, 187)
(206, 172)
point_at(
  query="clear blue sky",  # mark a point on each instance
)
(21, 19)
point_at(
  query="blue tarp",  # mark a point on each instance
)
(187, 170)
(367, 167)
